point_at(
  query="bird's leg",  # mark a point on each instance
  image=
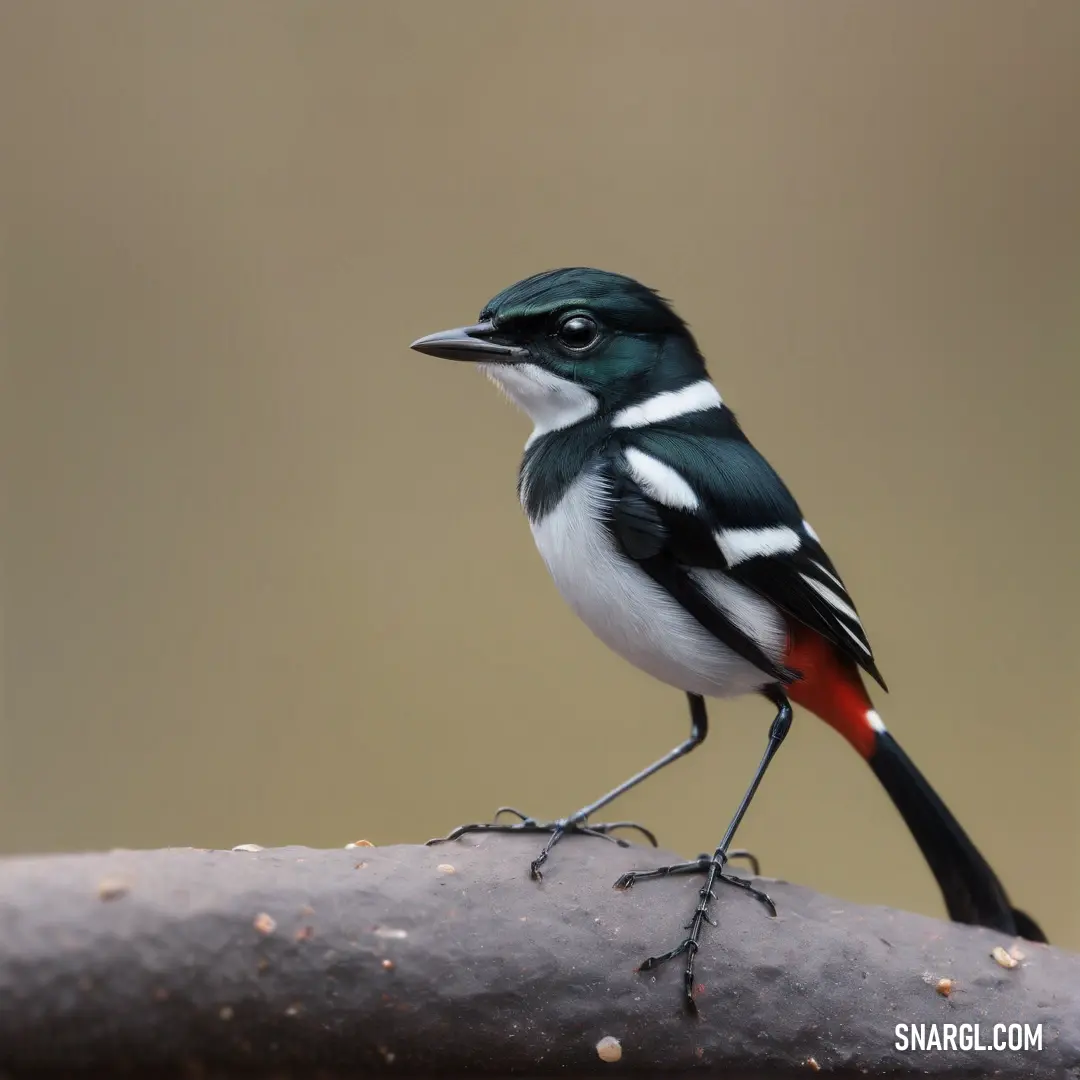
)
(577, 822)
(713, 865)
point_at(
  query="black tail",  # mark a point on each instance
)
(971, 889)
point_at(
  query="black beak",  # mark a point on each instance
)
(468, 343)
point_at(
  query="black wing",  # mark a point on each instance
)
(744, 522)
(661, 550)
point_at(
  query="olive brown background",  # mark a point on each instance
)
(265, 576)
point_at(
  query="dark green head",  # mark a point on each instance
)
(574, 342)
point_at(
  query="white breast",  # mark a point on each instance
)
(631, 614)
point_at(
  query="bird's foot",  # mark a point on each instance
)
(575, 823)
(713, 867)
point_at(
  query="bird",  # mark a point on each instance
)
(679, 546)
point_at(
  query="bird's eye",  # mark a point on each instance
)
(578, 332)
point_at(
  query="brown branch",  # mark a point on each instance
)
(413, 960)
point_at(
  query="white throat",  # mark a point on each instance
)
(550, 402)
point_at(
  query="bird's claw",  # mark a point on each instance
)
(575, 824)
(713, 866)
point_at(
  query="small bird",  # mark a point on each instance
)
(677, 544)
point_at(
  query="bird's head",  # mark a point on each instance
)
(567, 344)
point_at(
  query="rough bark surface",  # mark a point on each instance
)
(294, 962)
